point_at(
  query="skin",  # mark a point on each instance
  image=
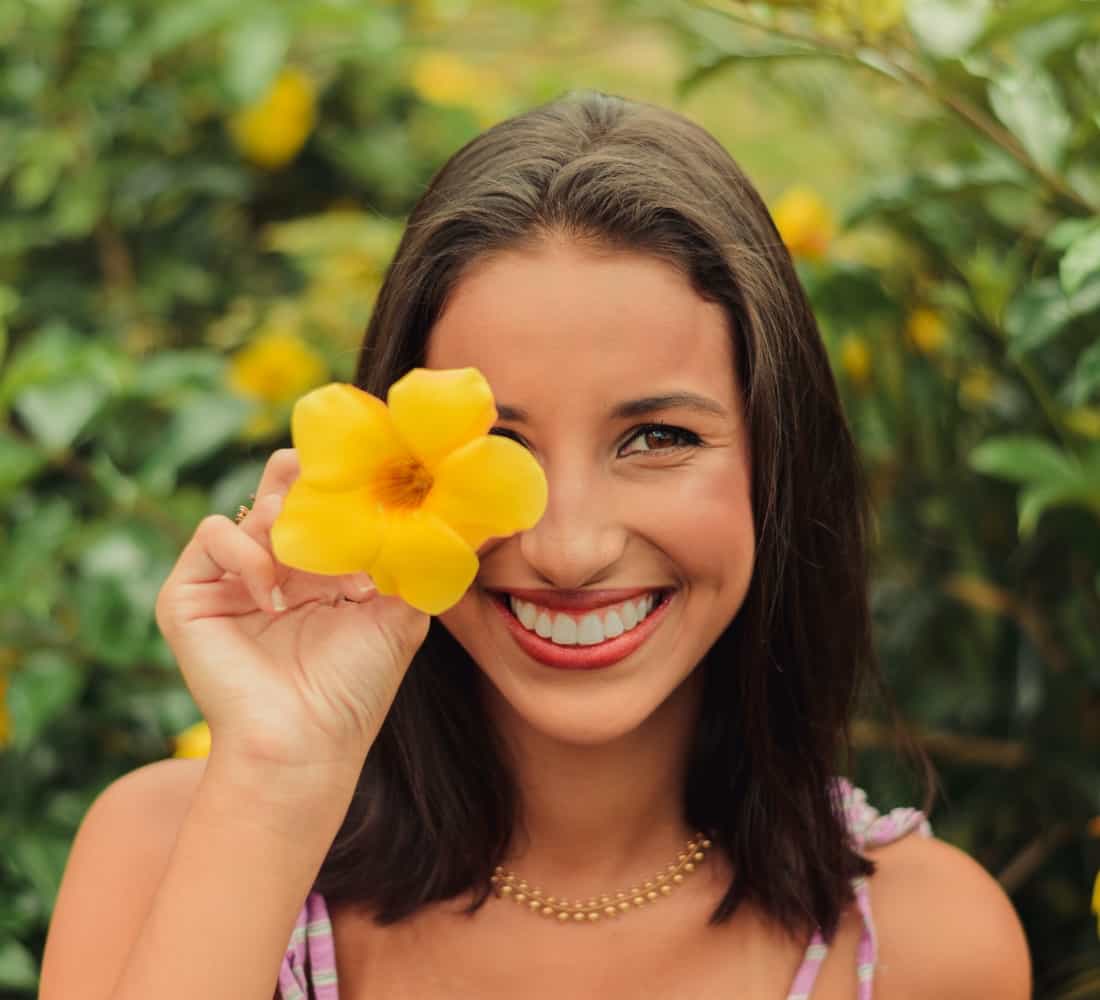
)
(564, 334)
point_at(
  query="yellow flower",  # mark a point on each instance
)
(805, 222)
(444, 78)
(855, 359)
(406, 492)
(5, 715)
(926, 330)
(1085, 420)
(194, 741)
(277, 366)
(1096, 901)
(272, 131)
(871, 17)
(977, 386)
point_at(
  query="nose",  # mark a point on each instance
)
(580, 537)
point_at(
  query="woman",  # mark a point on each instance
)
(663, 799)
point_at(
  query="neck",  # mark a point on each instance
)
(598, 819)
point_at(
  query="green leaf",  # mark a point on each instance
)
(1017, 15)
(1063, 235)
(39, 856)
(1042, 310)
(1024, 459)
(946, 28)
(56, 414)
(1028, 102)
(19, 461)
(198, 428)
(711, 66)
(42, 688)
(18, 970)
(1081, 260)
(1039, 497)
(254, 52)
(1085, 379)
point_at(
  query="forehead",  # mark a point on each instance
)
(561, 324)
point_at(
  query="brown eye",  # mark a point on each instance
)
(663, 438)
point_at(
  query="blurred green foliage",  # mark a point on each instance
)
(198, 201)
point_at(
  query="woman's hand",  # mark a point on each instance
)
(305, 686)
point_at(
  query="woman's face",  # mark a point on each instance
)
(584, 354)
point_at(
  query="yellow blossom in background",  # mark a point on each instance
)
(804, 221)
(977, 386)
(926, 330)
(194, 741)
(855, 359)
(1096, 901)
(5, 715)
(1085, 420)
(446, 79)
(406, 490)
(272, 131)
(276, 367)
(872, 18)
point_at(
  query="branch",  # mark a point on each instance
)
(954, 746)
(959, 106)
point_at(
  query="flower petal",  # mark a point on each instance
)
(491, 487)
(322, 531)
(438, 410)
(343, 436)
(424, 562)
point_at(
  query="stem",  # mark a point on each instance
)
(959, 106)
(953, 746)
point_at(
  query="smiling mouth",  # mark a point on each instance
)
(580, 646)
(582, 628)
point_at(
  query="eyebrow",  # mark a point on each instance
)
(638, 407)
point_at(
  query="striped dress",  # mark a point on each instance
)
(308, 971)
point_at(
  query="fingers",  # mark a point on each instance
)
(280, 472)
(217, 548)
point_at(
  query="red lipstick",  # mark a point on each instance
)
(602, 654)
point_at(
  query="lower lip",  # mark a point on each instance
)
(593, 657)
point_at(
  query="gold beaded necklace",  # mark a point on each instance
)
(508, 885)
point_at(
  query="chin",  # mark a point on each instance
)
(584, 717)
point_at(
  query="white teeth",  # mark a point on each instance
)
(593, 628)
(590, 631)
(525, 612)
(613, 625)
(565, 631)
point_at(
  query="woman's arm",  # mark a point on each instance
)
(185, 882)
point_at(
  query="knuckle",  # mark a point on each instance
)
(212, 523)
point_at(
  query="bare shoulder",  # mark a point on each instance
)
(120, 852)
(945, 926)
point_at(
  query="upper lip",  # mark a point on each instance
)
(576, 600)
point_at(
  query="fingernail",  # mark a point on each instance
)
(277, 599)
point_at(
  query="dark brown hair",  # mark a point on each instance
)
(435, 806)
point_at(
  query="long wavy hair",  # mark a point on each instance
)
(434, 810)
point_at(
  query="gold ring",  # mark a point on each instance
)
(243, 511)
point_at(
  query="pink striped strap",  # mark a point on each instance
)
(866, 828)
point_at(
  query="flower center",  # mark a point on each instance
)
(403, 484)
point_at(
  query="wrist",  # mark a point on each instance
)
(279, 796)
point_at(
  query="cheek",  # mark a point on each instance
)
(700, 520)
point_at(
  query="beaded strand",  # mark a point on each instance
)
(508, 885)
